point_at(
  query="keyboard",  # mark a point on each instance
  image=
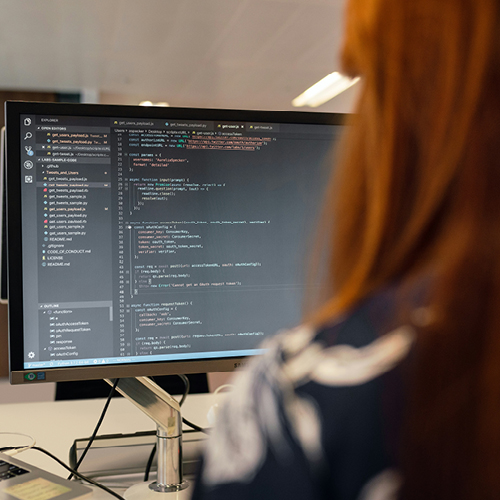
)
(8, 470)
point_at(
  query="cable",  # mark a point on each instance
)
(94, 434)
(195, 427)
(186, 392)
(187, 388)
(223, 386)
(14, 451)
(150, 463)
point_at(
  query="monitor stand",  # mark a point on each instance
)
(166, 412)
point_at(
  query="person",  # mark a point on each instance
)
(391, 387)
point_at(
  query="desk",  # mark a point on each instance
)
(55, 425)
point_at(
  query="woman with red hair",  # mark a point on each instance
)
(391, 387)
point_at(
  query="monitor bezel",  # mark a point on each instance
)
(13, 112)
(3, 221)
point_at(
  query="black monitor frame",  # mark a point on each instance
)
(14, 110)
(3, 220)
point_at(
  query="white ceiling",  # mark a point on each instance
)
(256, 54)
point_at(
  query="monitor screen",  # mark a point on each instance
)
(149, 241)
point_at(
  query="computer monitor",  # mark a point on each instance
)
(152, 241)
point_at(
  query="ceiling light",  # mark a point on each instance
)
(332, 85)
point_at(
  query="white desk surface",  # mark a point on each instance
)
(56, 424)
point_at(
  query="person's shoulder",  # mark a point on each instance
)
(363, 356)
(365, 342)
(307, 402)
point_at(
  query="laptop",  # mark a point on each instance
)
(22, 481)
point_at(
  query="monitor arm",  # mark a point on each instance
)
(165, 411)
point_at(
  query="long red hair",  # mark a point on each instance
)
(417, 194)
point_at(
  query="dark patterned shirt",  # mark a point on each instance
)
(315, 417)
